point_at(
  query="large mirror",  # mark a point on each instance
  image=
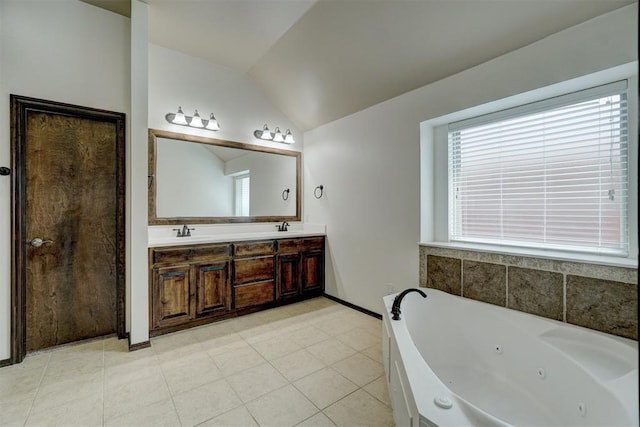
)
(195, 180)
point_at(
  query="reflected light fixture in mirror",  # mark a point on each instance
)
(276, 136)
(196, 121)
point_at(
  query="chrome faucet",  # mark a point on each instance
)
(283, 227)
(185, 231)
(395, 309)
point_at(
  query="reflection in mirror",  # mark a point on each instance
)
(208, 180)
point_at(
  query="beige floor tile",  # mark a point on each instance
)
(86, 411)
(308, 335)
(275, 347)
(74, 366)
(127, 397)
(19, 384)
(60, 391)
(281, 408)
(240, 358)
(131, 370)
(159, 414)
(359, 368)
(318, 420)
(330, 351)
(238, 417)
(325, 387)
(298, 364)
(378, 389)
(257, 381)
(190, 372)
(374, 352)
(359, 339)
(360, 409)
(205, 402)
(336, 324)
(14, 413)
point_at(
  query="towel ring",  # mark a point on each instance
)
(285, 194)
(315, 191)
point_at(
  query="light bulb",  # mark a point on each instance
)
(278, 136)
(213, 123)
(196, 121)
(179, 119)
(266, 134)
(288, 138)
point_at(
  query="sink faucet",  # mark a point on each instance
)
(283, 227)
(395, 309)
(185, 231)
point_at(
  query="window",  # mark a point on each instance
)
(551, 174)
(242, 183)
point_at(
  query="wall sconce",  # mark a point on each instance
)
(276, 136)
(195, 122)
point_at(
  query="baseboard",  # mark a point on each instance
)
(5, 362)
(139, 345)
(353, 306)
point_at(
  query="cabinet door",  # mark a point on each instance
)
(172, 302)
(312, 270)
(212, 288)
(288, 275)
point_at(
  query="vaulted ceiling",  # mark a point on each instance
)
(320, 60)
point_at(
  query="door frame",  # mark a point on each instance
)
(21, 106)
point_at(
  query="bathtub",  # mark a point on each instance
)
(451, 361)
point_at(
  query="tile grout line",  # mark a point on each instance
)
(104, 379)
(38, 388)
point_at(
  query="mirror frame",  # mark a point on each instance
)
(154, 220)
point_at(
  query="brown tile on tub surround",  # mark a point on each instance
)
(444, 274)
(484, 282)
(535, 291)
(603, 305)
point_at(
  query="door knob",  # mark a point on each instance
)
(37, 242)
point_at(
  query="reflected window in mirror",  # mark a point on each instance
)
(242, 187)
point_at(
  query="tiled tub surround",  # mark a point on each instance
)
(599, 297)
(312, 363)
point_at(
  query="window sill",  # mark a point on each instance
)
(539, 253)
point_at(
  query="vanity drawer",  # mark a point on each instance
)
(302, 244)
(253, 269)
(253, 294)
(190, 254)
(246, 249)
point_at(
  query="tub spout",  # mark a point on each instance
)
(395, 309)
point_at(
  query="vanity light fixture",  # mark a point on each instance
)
(276, 136)
(194, 121)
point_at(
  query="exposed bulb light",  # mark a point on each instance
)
(288, 138)
(213, 123)
(179, 118)
(277, 137)
(195, 122)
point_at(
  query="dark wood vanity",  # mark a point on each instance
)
(196, 284)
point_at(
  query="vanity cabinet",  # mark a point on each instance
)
(197, 284)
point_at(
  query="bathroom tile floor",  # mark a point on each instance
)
(313, 363)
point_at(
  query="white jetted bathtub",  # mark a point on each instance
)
(451, 361)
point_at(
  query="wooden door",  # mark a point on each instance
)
(312, 270)
(212, 285)
(288, 275)
(68, 224)
(172, 299)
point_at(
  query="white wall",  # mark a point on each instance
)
(177, 79)
(369, 162)
(65, 51)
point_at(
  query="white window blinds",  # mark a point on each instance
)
(242, 196)
(552, 174)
